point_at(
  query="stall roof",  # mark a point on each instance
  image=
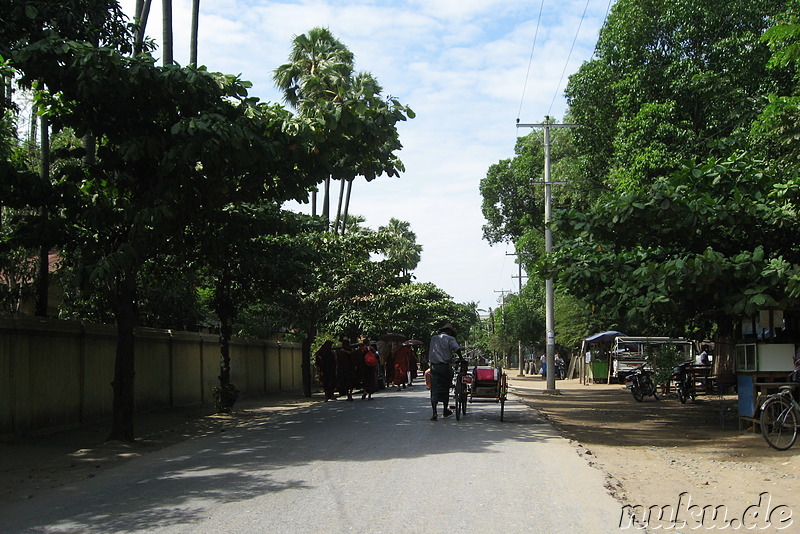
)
(604, 336)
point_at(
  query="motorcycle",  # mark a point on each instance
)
(640, 382)
(684, 383)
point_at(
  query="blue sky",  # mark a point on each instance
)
(459, 64)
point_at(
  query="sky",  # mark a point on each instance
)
(467, 68)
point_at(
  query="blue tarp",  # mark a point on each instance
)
(604, 336)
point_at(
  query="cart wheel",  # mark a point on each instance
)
(503, 390)
(459, 399)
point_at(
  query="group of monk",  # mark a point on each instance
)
(350, 366)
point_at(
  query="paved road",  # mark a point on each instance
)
(363, 466)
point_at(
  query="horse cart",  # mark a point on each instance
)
(479, 382)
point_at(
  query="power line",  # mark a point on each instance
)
(530, 60)
(566, 64)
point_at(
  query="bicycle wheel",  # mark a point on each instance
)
(464, 400)
(779, 423)
(458, 396)
(503, 390)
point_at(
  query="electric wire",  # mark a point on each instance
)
(530, 60)
(566, 64)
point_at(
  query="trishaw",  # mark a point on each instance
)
(479, 382)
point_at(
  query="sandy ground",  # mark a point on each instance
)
(657, 455)
(663, 453)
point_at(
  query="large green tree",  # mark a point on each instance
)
(668, 80)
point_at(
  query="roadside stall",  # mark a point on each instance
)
(761, 369)
(596, 356)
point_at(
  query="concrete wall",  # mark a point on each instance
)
(57, 374)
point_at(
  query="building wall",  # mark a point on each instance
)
(57, 374)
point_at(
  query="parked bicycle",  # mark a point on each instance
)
(780, 413)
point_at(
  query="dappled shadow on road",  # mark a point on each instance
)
(178, 485)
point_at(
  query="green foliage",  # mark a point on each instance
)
(725, 243)
(667, 78)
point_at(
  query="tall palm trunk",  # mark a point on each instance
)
(339, 208)
(326, 201)
(346, 204)
(194, 31)
(166, 25)
(142, 12)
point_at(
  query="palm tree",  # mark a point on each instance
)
(319, 68)
(403, 250)
(319, 65)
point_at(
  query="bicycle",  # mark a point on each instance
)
(462, 381)
(779, 416)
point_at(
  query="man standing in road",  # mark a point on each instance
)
(442, 347)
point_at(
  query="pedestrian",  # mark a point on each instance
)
(543, 370)
(325, 359)
(345, 370)
(368, 369)
(440, 353)
(561, 370)
(412, 365)
(402, 355)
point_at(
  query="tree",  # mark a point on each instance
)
(319, 64)
(248, 252)
(318, 82)
(725, 245)
(157, 169)
(403, 250)
(670, 79)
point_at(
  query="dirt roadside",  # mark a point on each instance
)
(655, 453)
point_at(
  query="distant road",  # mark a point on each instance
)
(363, 466)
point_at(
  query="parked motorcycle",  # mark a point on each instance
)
(684, 383)
(640, 382)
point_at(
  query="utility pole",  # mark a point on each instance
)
(502, 307)
(548, 248)
(519, 342)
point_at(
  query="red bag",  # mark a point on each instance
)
(371, 359)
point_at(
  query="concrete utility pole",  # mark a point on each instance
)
(519, 342)
(548, 248)
(502, 307)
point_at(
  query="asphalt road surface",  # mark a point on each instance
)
(363, 466)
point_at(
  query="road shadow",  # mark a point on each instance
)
(234, 463)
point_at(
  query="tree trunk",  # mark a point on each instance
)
(166, 29)
(225, 332)
(306, 358)
(326, 201)
(142, 12)
(347, 204)
(339, 209)
(226, 394)
(194, 31)
(124, 369)
(43, 278)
